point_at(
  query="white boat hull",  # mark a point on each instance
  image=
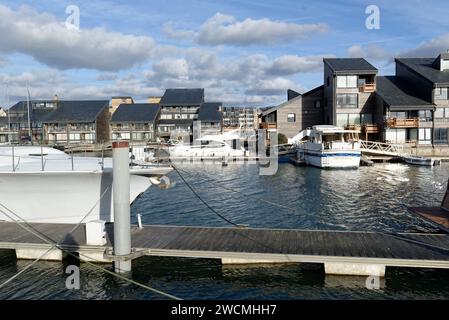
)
(331, 159)
(62, 197)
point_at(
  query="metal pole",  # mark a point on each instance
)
(121, 195)
(42, 157)
(13, 160)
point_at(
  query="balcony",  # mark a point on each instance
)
(367, 87)
(268, 125)
(370, 128)
(396, 123)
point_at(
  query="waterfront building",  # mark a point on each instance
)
(59, 122)
(299, 112)
(119, 100)
(236, 117)
(350, 95)
(135, 122)
(211, 118)
(179, 108)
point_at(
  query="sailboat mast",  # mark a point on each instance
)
(29, 119)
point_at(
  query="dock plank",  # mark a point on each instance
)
(427, 250)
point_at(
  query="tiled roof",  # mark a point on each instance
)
(209, 111)
(77, 111)
(399, 96)
(182, 97)
(350, 65)
(137, 112)
(425, 67)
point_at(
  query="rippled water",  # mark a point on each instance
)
(371, 198)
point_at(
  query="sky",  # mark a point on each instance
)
(244, 53)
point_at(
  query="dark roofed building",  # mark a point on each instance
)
(81, 111)
(179, 108)
(78, 121)
(135, 122)
(61, 122)
(350, 66)
(211, 117)
(428, 69)
(182, 97)
(399, 96)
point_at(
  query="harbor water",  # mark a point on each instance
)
(368, 199)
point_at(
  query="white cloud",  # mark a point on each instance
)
(431, 48)
(223, 29)
(47, 40)
(106, 76)
(370, 51)
(271, 87)
(291, 64)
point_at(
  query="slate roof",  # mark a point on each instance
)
(77, 111)
(425, 67)
(399, 96)
(182, 97)
(209, 111)
(136, 112)
(350, 65)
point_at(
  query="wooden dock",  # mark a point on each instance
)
(342, 252)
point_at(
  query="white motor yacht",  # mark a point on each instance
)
(328, 147)
(42, 184)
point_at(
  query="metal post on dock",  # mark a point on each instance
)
(13, 160)
(121, 194)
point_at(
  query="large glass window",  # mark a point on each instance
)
(425, 115)
(439, 113)
(441, 93)
(344, 119)
(346, 81)
(440, 136)
(425, 135)
(367, 118)
(346, 100)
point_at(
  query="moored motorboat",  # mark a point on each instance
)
(49, 186)
(328, 147)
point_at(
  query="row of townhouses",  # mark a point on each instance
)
(409, 108)
(60, 122)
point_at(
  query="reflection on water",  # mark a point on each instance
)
(371, 198)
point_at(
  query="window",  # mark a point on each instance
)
(439, 113)
(291, 117)
(425, 135)
(441, 93)
(346, 81)
(346, 100)
(367, 118)
(425, 115)
(440, 136)
(317, 104)
(344, 119)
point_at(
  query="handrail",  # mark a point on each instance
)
(381, 147)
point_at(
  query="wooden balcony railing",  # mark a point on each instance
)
(367, 87)
(370, 128)
(395, 123)
(268, 125)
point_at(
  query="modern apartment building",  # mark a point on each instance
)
(350, 94)
(210, 116)
(296, 114)
(235, 117)
(135, 122)
(179, 108)
(60, 122)
(415, 103)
